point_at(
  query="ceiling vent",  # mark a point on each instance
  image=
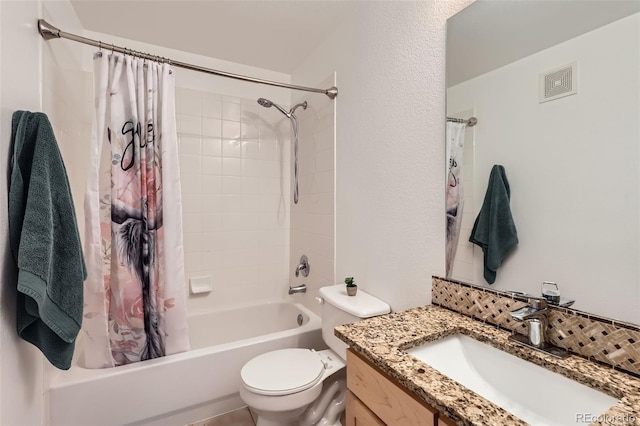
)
(559, 82)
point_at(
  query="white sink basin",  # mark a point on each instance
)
(528, 391)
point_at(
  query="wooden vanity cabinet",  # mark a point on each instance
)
(444, 421)
(358, 414)
(374, 398)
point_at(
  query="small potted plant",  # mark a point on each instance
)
(352, 288)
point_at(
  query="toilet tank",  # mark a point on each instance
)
(338, 308)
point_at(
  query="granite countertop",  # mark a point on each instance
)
(382, 340)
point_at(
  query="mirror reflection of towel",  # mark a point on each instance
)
(494, 229)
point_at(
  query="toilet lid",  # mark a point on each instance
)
(282, 372)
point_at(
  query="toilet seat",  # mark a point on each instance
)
(283, 372)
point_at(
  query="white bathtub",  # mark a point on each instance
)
(182, 388)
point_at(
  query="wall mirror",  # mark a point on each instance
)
(572, 159)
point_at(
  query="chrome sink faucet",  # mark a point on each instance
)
(535, 315)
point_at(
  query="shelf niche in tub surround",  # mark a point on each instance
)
(605, 340)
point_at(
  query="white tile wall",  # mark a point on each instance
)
(313, 218)
(234, 158)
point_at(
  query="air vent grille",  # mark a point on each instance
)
(559, 82)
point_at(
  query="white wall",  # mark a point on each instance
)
(572, 164)
(21, 364)
(67, 97)
(389, 60)
(207, 82)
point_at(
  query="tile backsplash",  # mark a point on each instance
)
(594, 337)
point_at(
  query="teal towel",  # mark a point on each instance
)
(494, 229)
(44, 241)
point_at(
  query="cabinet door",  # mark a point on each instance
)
(386, 399)
(358, 414)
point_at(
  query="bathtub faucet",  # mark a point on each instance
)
(302, 288)
(303, 267)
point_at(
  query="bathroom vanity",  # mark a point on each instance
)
(387, 385)
(374, 398)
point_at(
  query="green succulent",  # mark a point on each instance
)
(350, 282)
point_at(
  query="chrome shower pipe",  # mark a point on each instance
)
(294, 123)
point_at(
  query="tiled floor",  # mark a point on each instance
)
(241, 417)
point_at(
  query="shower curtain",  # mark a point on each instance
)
(135, 293)
(454, 189)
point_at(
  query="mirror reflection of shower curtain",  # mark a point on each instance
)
(135, 297)
(454, 190)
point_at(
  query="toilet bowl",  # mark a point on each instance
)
(280, 385)
(304, 387)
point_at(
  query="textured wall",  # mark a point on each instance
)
(20, 363)
(389, 59)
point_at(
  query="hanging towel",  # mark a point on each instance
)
(44, 241)
(494, 229)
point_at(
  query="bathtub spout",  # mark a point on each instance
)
(326, 410)
(302, 288)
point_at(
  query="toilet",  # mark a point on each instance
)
(304, 387)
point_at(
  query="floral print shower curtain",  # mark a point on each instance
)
(454, 191)
(135, 294)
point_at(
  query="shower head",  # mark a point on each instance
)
(265, 102)
(268, 104)
(294, 122)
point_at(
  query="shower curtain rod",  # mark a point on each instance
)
(48, 31)
(470, 122)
